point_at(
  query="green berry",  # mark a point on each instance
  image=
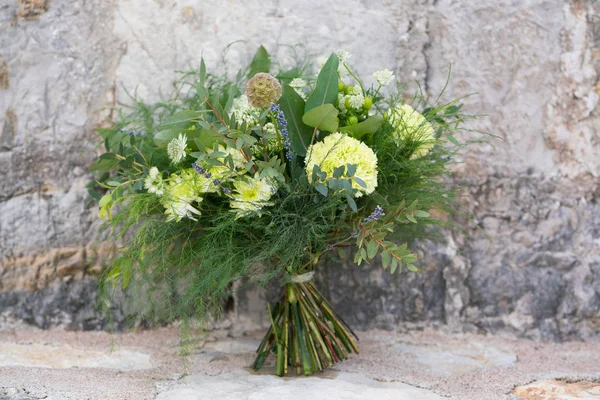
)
(352, 120)
(341, 86)
(347, 103)
(368, 103)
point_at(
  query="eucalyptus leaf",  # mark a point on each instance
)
(351, 203)
(323, 117)
(319, 187)
(260, 63)
(293, 107)
(326, 88)
(368, 126)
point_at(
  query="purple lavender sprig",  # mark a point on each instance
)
(201, 171)
(375, 215)
(282, 122)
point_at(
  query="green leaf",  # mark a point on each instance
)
(412, 268)
(105, 200)
(339, 171)
(326, 89)
(289, 74)
(351, 170)
(411, 218)
(202, 75)
(360, 182)
(293, 106)
(319, 187)
(95, 195)
(207, 138)
(260, 63)
(202, 93)
(351, 203)
(453, 140)
(113, 183)
(372, 248)
(104, 165)
(394, 265)
(422, 214)
(181, 120)
(323, 117)
(163, 138)
(385, 259)
(370, 125)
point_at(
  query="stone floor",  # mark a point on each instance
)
(424, 365)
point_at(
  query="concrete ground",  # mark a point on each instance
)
(423, 365)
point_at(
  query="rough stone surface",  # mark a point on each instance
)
(34, 355)
(531, 270)
(245, 386)
(558, 390)
(147, 365)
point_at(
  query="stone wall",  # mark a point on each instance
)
(532, 269)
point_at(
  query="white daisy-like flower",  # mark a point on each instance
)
(343, 55)
(384, 77)
(176, 148)
(357, 101)
(298, 83)
(154, 182)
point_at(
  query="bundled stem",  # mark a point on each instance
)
(305, 333)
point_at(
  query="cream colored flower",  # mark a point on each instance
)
(154, 183)
(411, 125)
(244, 112)
(384, 77)
(181, 192)
(176, 148)
(338, 150)
(251, 195)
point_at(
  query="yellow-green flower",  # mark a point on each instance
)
(251, 195)
(338, 149)
(262, 90)
(411, 125)
(180, 192)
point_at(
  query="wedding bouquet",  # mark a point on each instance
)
(263, 175)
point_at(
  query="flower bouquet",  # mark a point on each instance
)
(263, 175)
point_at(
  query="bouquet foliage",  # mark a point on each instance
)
(262, 176)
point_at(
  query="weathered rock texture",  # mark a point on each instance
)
(533, 269)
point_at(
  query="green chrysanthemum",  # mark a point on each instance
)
(337, 150)
(251, 195)
(181, 191)
(262, 90)
(411, 125)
